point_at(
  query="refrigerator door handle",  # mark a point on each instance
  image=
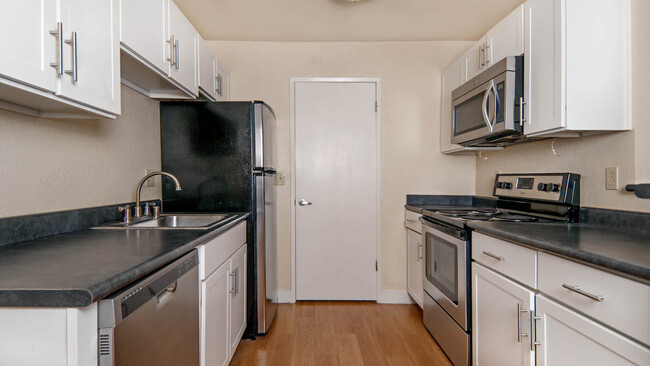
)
(258, 171)
(270, 172)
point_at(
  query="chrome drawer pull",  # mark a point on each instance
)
(490, 254)
(519, 312)
(577, 289)
(411, 221)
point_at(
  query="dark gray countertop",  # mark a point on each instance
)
(79, 268)
(625, 252)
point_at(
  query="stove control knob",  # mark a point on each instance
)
(499, 185)
(551, 187)
(507, 185)
(541, 187)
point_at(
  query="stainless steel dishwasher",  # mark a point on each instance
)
(155, 321)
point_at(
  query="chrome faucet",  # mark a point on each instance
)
(138, 209)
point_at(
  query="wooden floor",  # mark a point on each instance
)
(343, 333)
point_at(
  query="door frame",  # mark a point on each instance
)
(292, 126)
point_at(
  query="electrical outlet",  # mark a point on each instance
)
(279, 179)
(611, 178)
(150, 182)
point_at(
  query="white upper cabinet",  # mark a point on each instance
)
(206, 71)
(142, 31)
(26, 54)
(91, 53)
(60, 59)
(577, 67)
(184, 36)
(159, 49)
(473, 60)
(506, 38)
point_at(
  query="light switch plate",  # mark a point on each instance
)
(279, 178)
(611, 178)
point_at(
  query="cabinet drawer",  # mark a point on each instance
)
(412, 221)
(624, 304)
(510, 259)
(219, 249)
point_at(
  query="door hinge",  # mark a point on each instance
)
(376, 266)
(376, 106)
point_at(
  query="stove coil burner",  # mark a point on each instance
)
(469, 213)
(514, 218)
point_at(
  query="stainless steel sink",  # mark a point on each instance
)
(175, 221)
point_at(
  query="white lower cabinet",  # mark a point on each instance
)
(223, 295)
(215, 343)
(501, 314)
(568, 338)
(415, 265)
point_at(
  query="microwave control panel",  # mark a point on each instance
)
(554, 187)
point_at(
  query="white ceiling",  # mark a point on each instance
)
(335, 20)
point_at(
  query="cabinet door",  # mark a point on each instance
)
(215, 307)
(207, 70)
(473, 60)
(451, 78)
(185, 36)
(238, 299)
(414, 278)
(223, 83)
(543, 68)
(91, 53)
(567, 338)
(142, 31)
(501, 311)
(27, 46)
(506, 38)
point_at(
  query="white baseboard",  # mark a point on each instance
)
(285, 296)
(394, 297)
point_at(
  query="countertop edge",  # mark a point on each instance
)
(76, 298)
(625, 269)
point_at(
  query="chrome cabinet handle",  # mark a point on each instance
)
(577, 289)
(520, 310)
(73, 42)
(486, 47)
(236, 280)
(303, 202)
(480, 57)
(176, 47)
(521, 110)
(232, 289)
(171, 51)
(219, 85)
(419, 251)
(58, 33)
(492, 255)
(411, 221)
(533, 326)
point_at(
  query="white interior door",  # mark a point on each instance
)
(336, 170)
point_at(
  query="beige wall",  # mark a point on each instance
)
(52, 165)
(630, 151)
(410, 161)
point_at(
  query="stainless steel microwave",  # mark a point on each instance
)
(486, 109)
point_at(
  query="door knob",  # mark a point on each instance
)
(302, 202)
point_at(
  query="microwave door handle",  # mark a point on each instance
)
(486, 118)
(495, 103)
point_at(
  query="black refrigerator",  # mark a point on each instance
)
(223, 155)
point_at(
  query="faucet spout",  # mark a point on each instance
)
(138, 210)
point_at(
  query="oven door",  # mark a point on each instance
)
(446, 269)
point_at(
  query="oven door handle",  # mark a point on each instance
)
(456, 233)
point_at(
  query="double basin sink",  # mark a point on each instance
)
(175, 221)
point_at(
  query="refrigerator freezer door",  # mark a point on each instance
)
(266, 252)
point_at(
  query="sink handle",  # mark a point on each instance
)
(127, 213)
